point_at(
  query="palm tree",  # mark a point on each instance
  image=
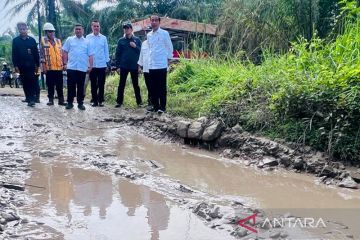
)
(51, 8)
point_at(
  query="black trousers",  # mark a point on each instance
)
(158, 88)
(97, 78)
(30, 83)
(147, 83)
(135, 82)
(55, 79)
(75, 86)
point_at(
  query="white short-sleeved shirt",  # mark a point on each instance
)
(79, 51)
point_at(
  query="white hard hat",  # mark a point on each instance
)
(48, 27)
(4, 63)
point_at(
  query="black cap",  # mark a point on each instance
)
(127, 25)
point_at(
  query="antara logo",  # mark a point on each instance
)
(243, 221)
(307, 222)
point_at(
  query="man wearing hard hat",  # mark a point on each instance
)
(52, 65)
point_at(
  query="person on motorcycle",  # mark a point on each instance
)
(6, 73)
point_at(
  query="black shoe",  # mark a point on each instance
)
(101, 104)
(140, 105)
(117, 105)
(94, 104)
(150, 109)
(160, 111)
(69, 106)
(50, 103)
(25, 100)
(37, 101)
(31, 104)
(81, 107)
(62, 103)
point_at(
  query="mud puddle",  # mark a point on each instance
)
(75, 159)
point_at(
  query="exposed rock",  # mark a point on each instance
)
(213, 131)
(355, 174)
(314, 166)
(299, 164)
(237, 128)
(270, 162)
(230, 140)
(195, 130)
(348, 183)
(275, 235)
(203, 120)
(214, 213)
(39, 125)
(272, 148)
(47, 153)
(201, 205)
(228, 153)
(185, 189)
(285, 160)
(13, 186)
(327, 171)
(9, 217)
(182, 128)
(240, 232)
(201, 213)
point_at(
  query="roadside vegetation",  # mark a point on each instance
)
(281, 68)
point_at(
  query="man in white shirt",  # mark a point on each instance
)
(78, 59)
(99, 45)
(144, 64)
(160, 51)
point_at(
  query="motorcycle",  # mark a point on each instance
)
(6, 78)
(18, 83)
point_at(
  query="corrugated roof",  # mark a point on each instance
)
(178, 25)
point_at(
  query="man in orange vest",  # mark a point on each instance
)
(52, 65)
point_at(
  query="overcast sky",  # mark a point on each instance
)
(9, 22)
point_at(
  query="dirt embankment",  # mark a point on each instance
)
(242, 147)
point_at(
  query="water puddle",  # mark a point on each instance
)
(75, 200)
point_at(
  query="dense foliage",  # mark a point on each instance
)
(310, 95)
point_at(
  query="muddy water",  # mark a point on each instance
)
(85, 204)
(77, 201)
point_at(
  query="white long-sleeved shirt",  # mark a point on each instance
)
(160, 49)
(99, 45)
(144, 58)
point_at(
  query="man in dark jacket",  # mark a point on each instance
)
(127, 56)
(26, 60)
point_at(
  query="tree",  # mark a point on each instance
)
(51, 8)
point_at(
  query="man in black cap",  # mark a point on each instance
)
(127, 56)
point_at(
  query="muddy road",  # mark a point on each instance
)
(85, 178)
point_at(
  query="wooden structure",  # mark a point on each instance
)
(181, 32)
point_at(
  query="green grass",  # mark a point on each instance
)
(310, 95)
(111, 85)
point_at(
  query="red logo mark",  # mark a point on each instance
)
(243, 221)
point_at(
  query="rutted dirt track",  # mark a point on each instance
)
(86, 178)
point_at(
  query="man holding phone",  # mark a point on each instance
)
(127, 56)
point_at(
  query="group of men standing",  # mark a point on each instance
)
(80, 55)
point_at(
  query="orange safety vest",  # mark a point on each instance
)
(51, 55)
